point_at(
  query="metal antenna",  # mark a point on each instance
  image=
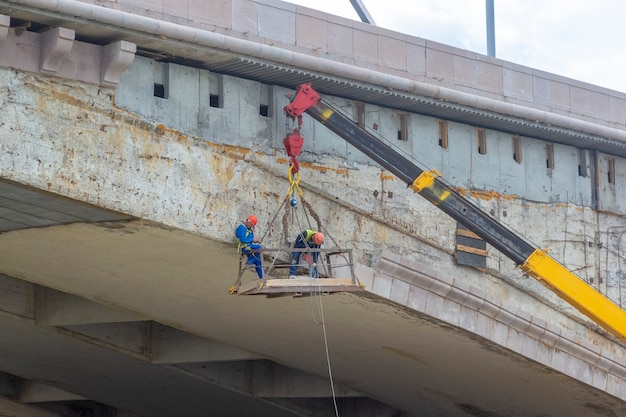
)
(491, 37)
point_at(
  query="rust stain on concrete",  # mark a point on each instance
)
(224, 170)
(319, 168)
(230, 149)
(486, 194)
(162, 129)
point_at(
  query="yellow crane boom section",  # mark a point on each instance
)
(575, 291)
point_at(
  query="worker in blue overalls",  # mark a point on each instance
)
(306, 239)
(247, 243)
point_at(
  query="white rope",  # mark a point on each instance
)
(315, 294)
(323, 323)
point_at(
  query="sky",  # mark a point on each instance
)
(583, 40)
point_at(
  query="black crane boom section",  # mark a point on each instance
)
(443, 196)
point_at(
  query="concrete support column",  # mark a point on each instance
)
(56, 45)
(116, 58)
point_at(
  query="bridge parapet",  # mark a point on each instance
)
(431, 67)
(56, 52)
(319, 34)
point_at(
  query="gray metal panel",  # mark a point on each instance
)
(467, 258)
(473, 243)
(471, 259)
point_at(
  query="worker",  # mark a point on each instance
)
(248, 244)
(306, 239)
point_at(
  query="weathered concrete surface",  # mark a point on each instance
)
(95, 152)
(181, 279)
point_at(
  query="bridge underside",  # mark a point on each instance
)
(114, 312)
(105, 314)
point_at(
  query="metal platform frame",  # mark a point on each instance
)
(335, 268)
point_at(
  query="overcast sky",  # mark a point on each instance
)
(583, 40)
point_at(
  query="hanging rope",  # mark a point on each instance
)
(291, 214)
(330, 371)
(305, 219)
(294, 187)
(315, 216)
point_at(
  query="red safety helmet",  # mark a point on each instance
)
(318, 238)
(253, 220)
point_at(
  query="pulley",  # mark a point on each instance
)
(293, 145)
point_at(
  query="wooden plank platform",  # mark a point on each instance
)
(300, 285)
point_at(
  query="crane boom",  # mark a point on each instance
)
(530, 259)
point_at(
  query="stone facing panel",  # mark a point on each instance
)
(562, 344)
(319, 34)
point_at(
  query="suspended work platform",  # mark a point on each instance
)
(333, 272)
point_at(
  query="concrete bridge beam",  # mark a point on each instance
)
(55, 308)
(172, 346)
(266, 379)
(193, 356)
(32, 392)
(14, 408)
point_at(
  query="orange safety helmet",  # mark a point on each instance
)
(318, 238)
(253, 220)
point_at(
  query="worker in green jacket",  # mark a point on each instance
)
(306, 239)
